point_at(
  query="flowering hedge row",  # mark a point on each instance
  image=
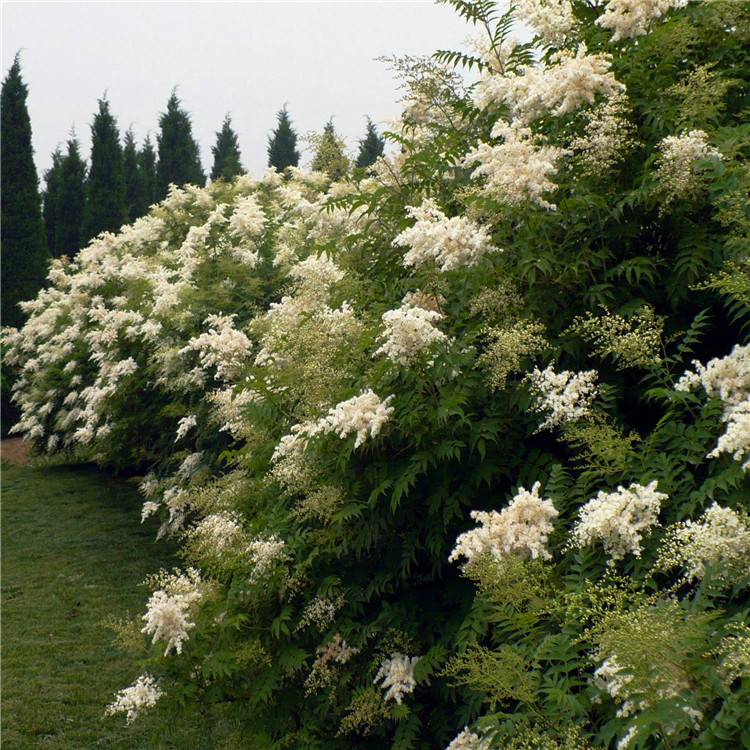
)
(457, 453)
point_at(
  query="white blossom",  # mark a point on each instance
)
(518, 170)
(133, 700)
(522, 528)
(552, 20)
(631, 18)
(184, 426)
(265, 554)
(450, 243)
(248, 220)
(467, 740)
(409, 330)
(677, 172)
(396, 676)
(562, 396)
(364, 415)
(618, 520)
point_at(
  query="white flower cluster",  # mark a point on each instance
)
(222, 347)
(396, 676)
(718, 541)
(315, 275)
(467, 740)
(552, 20)
(170, 608)
(133, 700)
(728, 379)
(522, 528)
(266, 553)
(518, 170)
(631, 18)
(569, 82)
(563, 396)
(677, 173)
(449, 243)
(248, 220)
(618, 520)
(184, 426)
(229, 405)
(409, 330)
(216, 534)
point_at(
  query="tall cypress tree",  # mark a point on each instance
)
(282, 143)
(147, 172)
(179, 156)
(24, 250)
(227, 164)
(51, 200)
(329, 154)
(371, 147)
(70, 207)
(135, 201)
(105, 187)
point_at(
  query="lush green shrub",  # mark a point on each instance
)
(439, 444)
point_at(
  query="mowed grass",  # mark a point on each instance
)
(73, 554)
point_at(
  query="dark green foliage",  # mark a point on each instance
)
(282, 143)
(105, 188)
(371, 147)
(71, 205)
(24, 251)
(329, 154)
(179, 156)
(227, 164)
(135, 202)
(147, 172)
(51, 199)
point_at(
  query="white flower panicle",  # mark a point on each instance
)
(552, 20)
(728, 379)
(216, 534)
(677, 172)
(718, 541)
(396, 676)
(315, 275)
(449, 243)
(618, 520)
(467, 740)
(222, 347)
(562, 396)
(364, 415)
(568, 83)
(133, 700)
(631, 18)
(408, 331)
(248, 220)
(169, 611)
(266, 554)
(522, 529)
(518, 170)
(184, 426)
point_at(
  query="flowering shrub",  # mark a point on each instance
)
(340, 391)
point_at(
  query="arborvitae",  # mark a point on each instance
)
(226, 153)
(147, 172)
(371, 147)
(135, 202)
(179, 157)
(69, 229)
(329, 154)
(105, 187)
(282, 143)
(51, 199)
(24, 249)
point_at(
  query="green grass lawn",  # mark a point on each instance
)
(73, 554)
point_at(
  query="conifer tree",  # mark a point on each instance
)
(147, 172)
(135, 202)
(329, 154)
(51, 199)
(371, 147)
(105, 187)
(70, 207)
(179, 156)
(227, 164)
(24, 251)
(282, 143)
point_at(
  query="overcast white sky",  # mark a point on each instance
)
(246, 58)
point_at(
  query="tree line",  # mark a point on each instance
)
(121, 180)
